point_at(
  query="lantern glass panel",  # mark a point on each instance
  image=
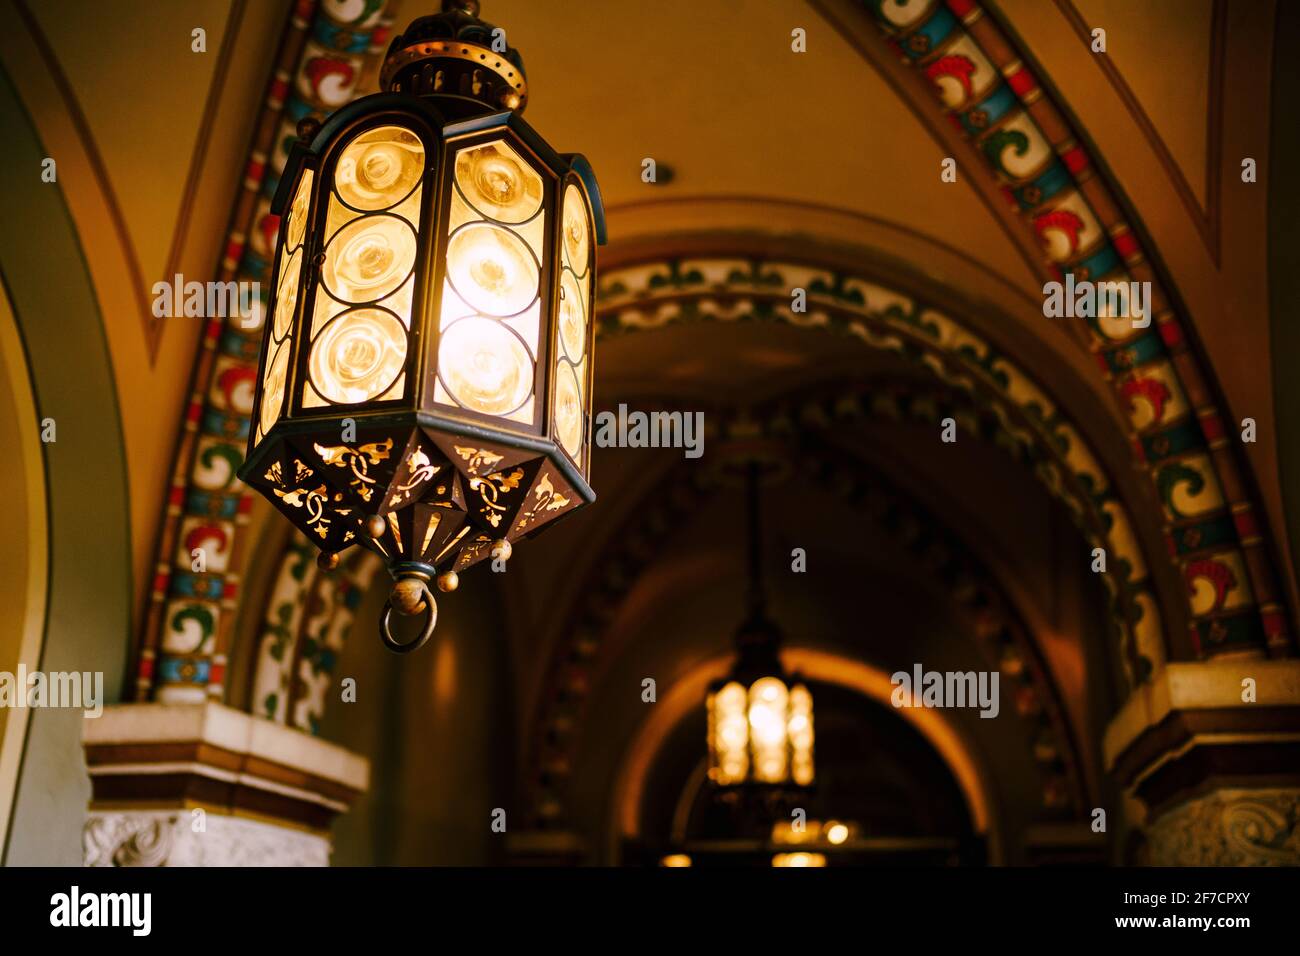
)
(287, 286)
(800, 729)
(571, 403)
(768, 700)
(362, 319)
(491, 314)
(729, 735)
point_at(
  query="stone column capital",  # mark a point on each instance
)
(204, 784)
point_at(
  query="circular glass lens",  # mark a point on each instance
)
(379, 168)
(492, 269)
(358, 356)
(286, 295)
(498, 183)
(273, 387)
(485, 366)
(298, 213)
(568, 409)
(369, 258)
(573, 319)
(575, 230)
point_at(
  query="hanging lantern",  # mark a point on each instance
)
(426, 370)
(760, 719)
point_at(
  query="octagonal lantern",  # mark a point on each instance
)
(426, 371)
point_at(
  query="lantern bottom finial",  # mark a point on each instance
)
(410, 596)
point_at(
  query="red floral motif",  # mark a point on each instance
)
(1217, 573)
(329, 77)
(232, 378)
(206, 532)
(1153, 390)
(955, 66)
(1061, 220)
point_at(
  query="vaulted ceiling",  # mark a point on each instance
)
(831, 155)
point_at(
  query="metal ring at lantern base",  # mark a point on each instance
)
(386, 634)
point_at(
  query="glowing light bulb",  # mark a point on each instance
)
(273, 387)
(368, 258)
(575, 230)
(358, 356)
(837, 833)
(492, 269)
(573, 319)
(485, 366)
(498, 183)
(568, 409)
(379, 168)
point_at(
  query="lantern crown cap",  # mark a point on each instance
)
(459, 59)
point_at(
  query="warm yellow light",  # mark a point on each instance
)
(568, 409)
(369, 258)
(358, 356)
(273, 387)
(675, 860)
(764, 734)
(498, 183)
(492, 269)
(286, 295)
(729, 738)
(379, 168)
(576, 235)
(297, 224)
(485, 366)
(767, 729)
(799, 859)
(573, 319)
(836, 833)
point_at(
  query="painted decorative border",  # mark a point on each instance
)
(184, 646)
(308, 618)
(1180, 433)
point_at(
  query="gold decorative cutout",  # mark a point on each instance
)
(313, 501)
(359, 460)
(547, 499)
(491, 488)
(478, 458)
(421, 469)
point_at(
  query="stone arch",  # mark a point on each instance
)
(872, 683)
(985, 608)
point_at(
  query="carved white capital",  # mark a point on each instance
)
(186, 838)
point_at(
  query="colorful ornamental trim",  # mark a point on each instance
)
(1180, 433)
(307, 620)
(191, 608)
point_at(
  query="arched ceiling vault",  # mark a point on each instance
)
(862, 178)
(990, 617)
(1009, 122)
(740, 291)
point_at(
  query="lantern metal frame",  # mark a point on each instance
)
(446, 124)
(758, 642)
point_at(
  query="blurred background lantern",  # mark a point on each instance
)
(760, 720)
(425, 382)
